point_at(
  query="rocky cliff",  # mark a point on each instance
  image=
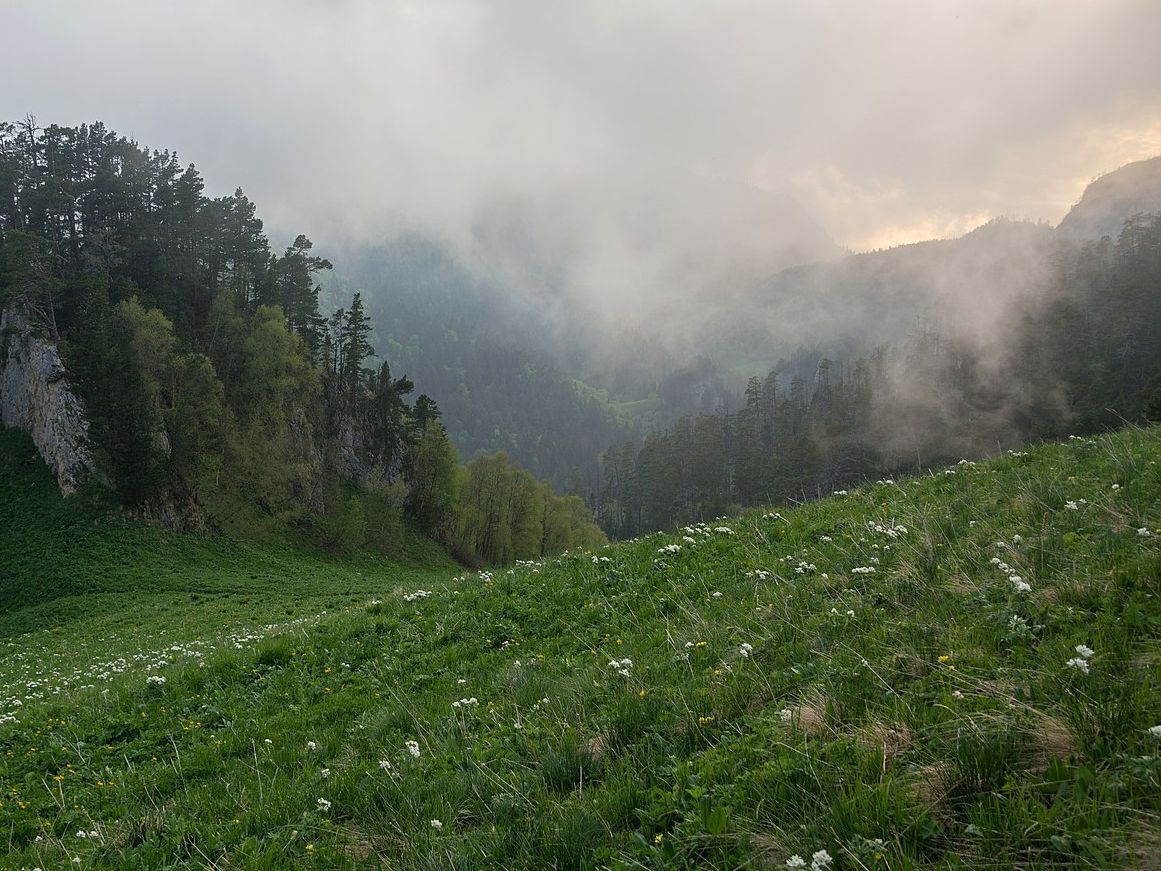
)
(35, 396)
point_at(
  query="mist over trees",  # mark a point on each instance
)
(1085, 358)
(868, 365)
(218, 393)
(506, 377)
(221, 393)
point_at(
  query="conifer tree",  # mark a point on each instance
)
(298, 293)
(356, 345)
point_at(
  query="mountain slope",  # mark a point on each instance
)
(1106, 203)
(486, 358)
(71, 561)
(958, 670)
(962, 286)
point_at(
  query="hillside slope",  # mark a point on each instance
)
(1107, 202)
(73, 565)
(959, 670)
(963, 286)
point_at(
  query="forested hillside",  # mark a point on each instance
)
(1131, 190)
(819, 376)
(501, 370)
(227, 386)
(218, 393)
(1083, 359)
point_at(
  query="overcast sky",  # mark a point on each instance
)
(889, 121)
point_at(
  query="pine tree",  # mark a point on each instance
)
(356, 347)
(298, 294)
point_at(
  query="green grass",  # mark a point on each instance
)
(68, 559)
(922, 714)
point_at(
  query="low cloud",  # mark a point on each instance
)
(644, 144)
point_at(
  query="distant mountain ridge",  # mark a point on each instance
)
(1106, 203)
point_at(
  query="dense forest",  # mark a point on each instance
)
(1085, 357)
(489, 358)
(218, 392)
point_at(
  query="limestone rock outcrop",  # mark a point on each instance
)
(35, 396)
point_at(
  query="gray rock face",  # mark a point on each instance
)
(36, 397)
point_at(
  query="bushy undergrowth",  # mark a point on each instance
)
(955, 671)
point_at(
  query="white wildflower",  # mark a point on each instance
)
(795, 861)
(412, 748)
(821, 859)
(1084, 651)
(1079, 664)
(325, 773)
(746, 650)
(437, 825)
(384, 764)
(311, 746)
(1155, 731)
(1071, 506)
(621, 666)
(324, 805)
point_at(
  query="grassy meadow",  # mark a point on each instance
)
(961, 670)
